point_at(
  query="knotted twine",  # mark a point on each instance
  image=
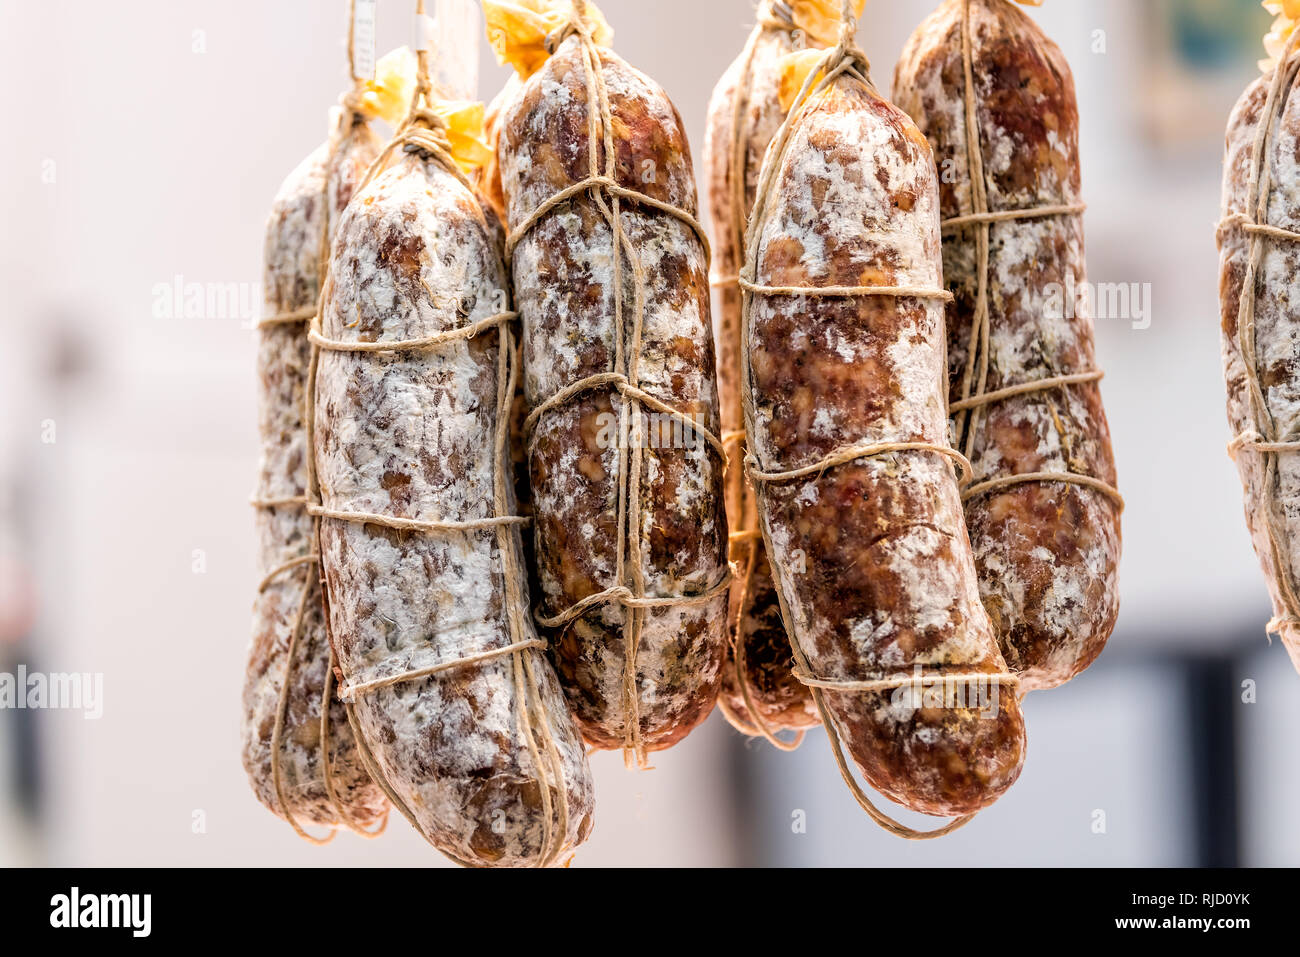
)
(845, 59)
(1263, 438)
(975, 397)
(607, 194)
(351, 103)
(772, 15)
(424, 131)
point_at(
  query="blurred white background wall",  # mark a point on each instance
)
(144, 142)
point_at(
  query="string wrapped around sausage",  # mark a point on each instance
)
(847, 425)
(610, 271)
(996, 100)
(1259, 252)
(460, 714)
(298, 749)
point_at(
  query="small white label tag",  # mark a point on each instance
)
(426, 34)
(363, 40)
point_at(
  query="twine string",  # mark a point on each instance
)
(853, 453)
(354, 690)
(772, 15)
(352, 41)
(280, 569)
(759, 724)
(287, 318)
(281, 715)
(602, 188)
(893, 683)
(623, 385)
(1026, 388)
(412, 345)
(327, 698)
(846, 292)
(1262, 437)
(776, 15)
(987, 218)
(1253, 441)
(352, 100)
(975, 394)
(1244, 222)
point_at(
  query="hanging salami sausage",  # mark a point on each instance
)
(459, 712)
(298, 749)
(846, 420)
(610, 269)
(1259, 252)
(995, 98)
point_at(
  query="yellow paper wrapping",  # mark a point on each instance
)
(465, 132)
(795, 68)
(388, 95)
(518, 30)
(1287, 13)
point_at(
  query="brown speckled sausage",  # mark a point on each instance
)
(309, 202)
(754, 611)
(1048, 552)
(412, 435)
(872, 557)
(563, 272)
(1270, 479)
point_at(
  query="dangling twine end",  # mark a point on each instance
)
(635, 758)
(761, 729)
(1281, 625)
(739, 725)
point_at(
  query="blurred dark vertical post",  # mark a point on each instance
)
(747, 777)
(22, 779)
(1214, 759)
